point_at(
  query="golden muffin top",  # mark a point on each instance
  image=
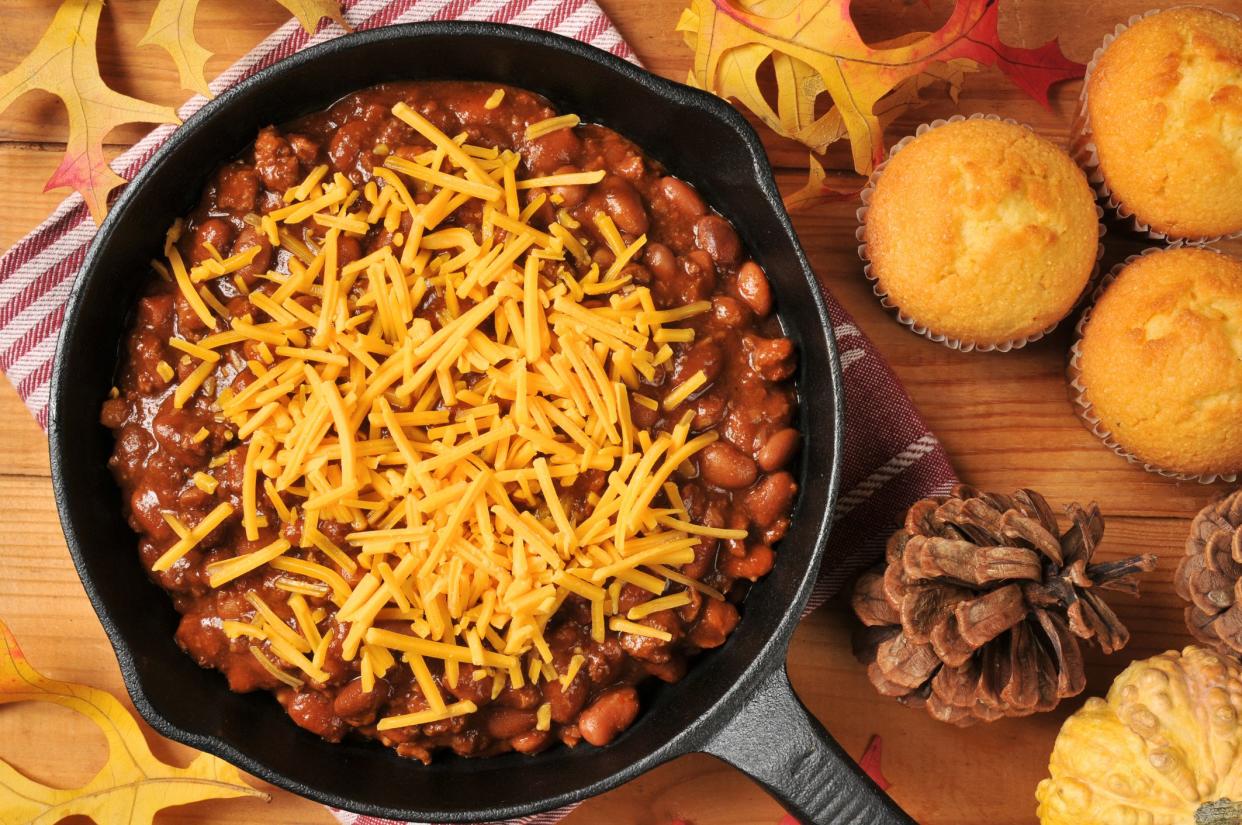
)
(1165, 106)
(982, 231)
(1162, 360)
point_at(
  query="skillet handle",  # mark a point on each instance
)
(777, 742)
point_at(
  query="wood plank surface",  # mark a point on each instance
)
(1005, 419)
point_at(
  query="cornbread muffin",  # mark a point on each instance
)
(1164, 109)
(982, 232)
(1160, 361)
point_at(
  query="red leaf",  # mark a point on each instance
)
(1034, 71)
(870, 763)
(814, 49)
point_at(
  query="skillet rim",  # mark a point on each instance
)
(770, 655)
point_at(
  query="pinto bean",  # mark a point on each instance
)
(753, 288)
(661, 261)
(314, 711)
(643, 417)
(567, 701)
(770, 499)
(728, 311)
(752, 566)
(726, 466)
(187, 318)
(527, 697)
(775, 531)
(682, 196)
(468, 688)
(215, 231)
(249, 238)
(554, 149)
(506, 723)
(348, 250)
(612, 712)
(695, 282)
(671, 671)
(649, 648)
(716, 236)
(347, 143)
(145, 510)
(354, 704)
(531, 742)
(715, 623)
(570, 735)
(624, 206)
(704, 558)
(689, 612)
(705, 355)
(777, 451)
(708, 410)
(703, 261)
(571, 195)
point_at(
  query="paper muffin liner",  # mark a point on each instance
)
(913, 323)
(1084, 151)
(1082, 406)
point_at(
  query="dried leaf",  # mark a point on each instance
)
(818, 191)
(310, 12)
(64, 64)
(172, 29)
(815, 48)
(870, 762)
(131, 788)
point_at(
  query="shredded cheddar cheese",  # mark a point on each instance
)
(448, 440)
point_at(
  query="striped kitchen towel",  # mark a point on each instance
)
(891, 459)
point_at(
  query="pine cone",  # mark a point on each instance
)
(977, 611)
(1210, 576)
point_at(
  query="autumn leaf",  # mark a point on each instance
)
(131, 787)
(870, 762)
(818, 190)
(815, 48)
(64, 64)
(310, 12)
(172, 29)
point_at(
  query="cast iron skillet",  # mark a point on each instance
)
(735, 703)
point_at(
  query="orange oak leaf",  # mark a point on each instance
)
(819, 190)
(64, 64)
(310, 12)
(172, 29)
(815, 48)
(131, 787)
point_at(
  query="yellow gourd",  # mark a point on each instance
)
(1165, 748)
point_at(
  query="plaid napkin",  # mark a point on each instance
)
(891, 459)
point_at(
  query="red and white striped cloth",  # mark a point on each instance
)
(891, 459)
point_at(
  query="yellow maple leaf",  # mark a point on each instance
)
(131, 787)
(64, 64)
(814, 48)
(172, 29)
(310, 12)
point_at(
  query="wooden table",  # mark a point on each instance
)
(1004, 418)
